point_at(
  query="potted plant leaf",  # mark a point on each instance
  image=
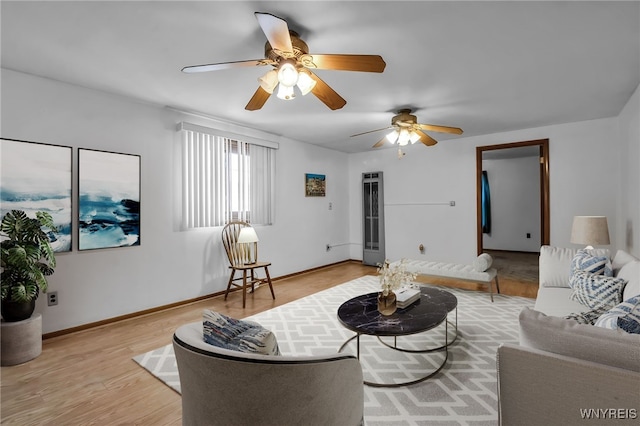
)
(27, 259)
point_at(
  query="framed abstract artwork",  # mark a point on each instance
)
(109, 199)
(314, 185)
(37, 177)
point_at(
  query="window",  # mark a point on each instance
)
(225, 178)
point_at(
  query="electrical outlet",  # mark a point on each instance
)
(528, 235)
(330, 206)
(452, 203)
(52, 298)
(328, 247)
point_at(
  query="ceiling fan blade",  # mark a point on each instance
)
(258, 99)
(380, 142)
(441, 129)
(372, 131)
(365, 63)
(223, 66)
(276, 30)
(326, 94)
(426, 139)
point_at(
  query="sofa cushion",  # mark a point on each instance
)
(630, 272)
(609, 318)
(556, 301)
(233, 334)
(595, 291)
(555, 264)
(585, 261)
(620, 259)
(565, 337)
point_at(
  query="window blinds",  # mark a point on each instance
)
(225, 179)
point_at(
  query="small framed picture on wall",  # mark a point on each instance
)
(315, 185)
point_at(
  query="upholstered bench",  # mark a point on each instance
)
(479, 271)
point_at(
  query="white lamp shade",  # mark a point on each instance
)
(590, 230)
(286, 92)
(392, 136)
(248, 235)
(414, 137)
(269, 81)
(305, 83)
(287, 74)
(403, 138)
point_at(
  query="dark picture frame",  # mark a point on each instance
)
(37, 176)
(108, 199)
(315, 185)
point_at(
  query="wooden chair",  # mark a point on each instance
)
(243, 258)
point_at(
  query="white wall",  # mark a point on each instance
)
(629, 224)
(170, 265)
(584, 177)
(515, 204)
(593, 172)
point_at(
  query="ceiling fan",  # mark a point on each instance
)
(289, 55)
(406, 129)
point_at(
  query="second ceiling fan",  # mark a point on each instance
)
(406, 129)
(289, 55)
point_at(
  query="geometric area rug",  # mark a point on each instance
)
(463, 392)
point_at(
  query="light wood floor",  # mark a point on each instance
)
(88, 377)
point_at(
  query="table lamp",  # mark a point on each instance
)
(590, 230)
(247, 236)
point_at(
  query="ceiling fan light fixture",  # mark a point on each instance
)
(286, 92)
(403, 137)
(287, 73)
(414, 137)
(392, 136)
(305, 83)
(269, 81)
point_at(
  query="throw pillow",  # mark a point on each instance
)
(588, 317)
(482, 262)
(555, 264)
(585, 261)
(631, 322)
(609, 318)
(237, 335)
(595, 291)
(568, 338)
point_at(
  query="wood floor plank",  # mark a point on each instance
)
(89, 377)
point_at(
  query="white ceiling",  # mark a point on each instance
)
(486, 67)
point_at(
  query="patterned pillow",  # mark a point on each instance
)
(625, 316)
(585, 261)
(595, 291)
(233, 334)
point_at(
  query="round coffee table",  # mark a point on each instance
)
(361, 315)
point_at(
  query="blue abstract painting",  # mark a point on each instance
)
(109, 199)
(37, 177)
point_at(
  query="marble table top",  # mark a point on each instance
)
(361, 315)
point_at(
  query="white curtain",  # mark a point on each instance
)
(225, 180)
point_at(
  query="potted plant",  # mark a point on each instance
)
(27, 258)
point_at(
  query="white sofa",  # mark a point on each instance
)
(563, 372)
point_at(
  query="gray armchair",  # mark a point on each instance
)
(224, 387)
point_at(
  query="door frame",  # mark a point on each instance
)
(545, 229)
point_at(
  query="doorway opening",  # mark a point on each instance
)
(541, 148)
